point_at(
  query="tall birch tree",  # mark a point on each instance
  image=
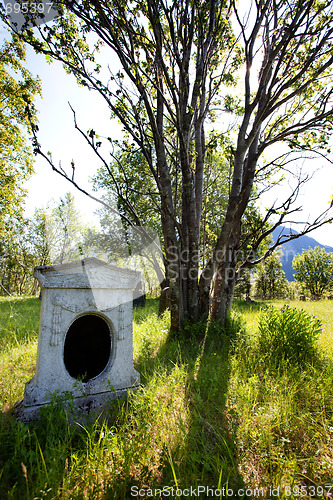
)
(178, 61)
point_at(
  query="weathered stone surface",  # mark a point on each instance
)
(85, 341)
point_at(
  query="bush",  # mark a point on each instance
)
(288, 336)
(314, 271)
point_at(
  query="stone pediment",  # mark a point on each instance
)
(87, 273)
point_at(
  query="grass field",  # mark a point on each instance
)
(321, 309)
(209, 413)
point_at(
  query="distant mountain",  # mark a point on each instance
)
(294, 247)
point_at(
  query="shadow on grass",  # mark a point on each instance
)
(175, 431)
(245, 307)
(206, 458)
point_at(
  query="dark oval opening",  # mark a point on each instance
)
(87, 347)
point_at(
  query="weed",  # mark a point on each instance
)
(288, 336)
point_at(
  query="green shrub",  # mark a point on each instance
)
(288, 335)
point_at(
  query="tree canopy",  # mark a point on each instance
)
(265, 72)
(314, 271)
(53, 235)
(270, 278)
(18, 88)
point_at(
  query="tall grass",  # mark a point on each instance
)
(322, 309)
(209, 412)
(18, 346)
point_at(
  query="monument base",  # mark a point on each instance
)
(88, 406)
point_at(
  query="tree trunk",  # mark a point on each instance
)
(173, 278)
(34, 288)
(204, 291)
(224, 285)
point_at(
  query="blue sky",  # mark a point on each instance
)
(57, 134)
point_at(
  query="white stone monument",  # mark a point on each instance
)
(85, 343)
